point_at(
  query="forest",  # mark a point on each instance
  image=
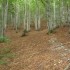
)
(34, 34)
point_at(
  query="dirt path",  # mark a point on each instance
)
(39, 51)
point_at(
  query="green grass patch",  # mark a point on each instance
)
(4, 39)
(5, 56)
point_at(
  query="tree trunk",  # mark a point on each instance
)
(37, 17)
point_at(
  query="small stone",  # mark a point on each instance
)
(60, 61)
(69, 60)
(54, 64)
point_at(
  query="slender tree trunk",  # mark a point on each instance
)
(48, 15)
(17, 15)
(5, 15)
(37, 17)
(28, 18)
(54, 14)
(2, 19)
(25, 15)
(38, 20)
(36, 26)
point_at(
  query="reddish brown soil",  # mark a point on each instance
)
(35, 52)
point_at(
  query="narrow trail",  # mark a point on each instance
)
(38, 51)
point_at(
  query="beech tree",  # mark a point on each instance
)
(19, 13)
(37, 16)
(3, 16)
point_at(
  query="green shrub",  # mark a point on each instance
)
(3, 39)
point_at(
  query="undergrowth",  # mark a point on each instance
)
(5, 56)
(4, 39)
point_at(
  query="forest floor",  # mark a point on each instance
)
(38, 50)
